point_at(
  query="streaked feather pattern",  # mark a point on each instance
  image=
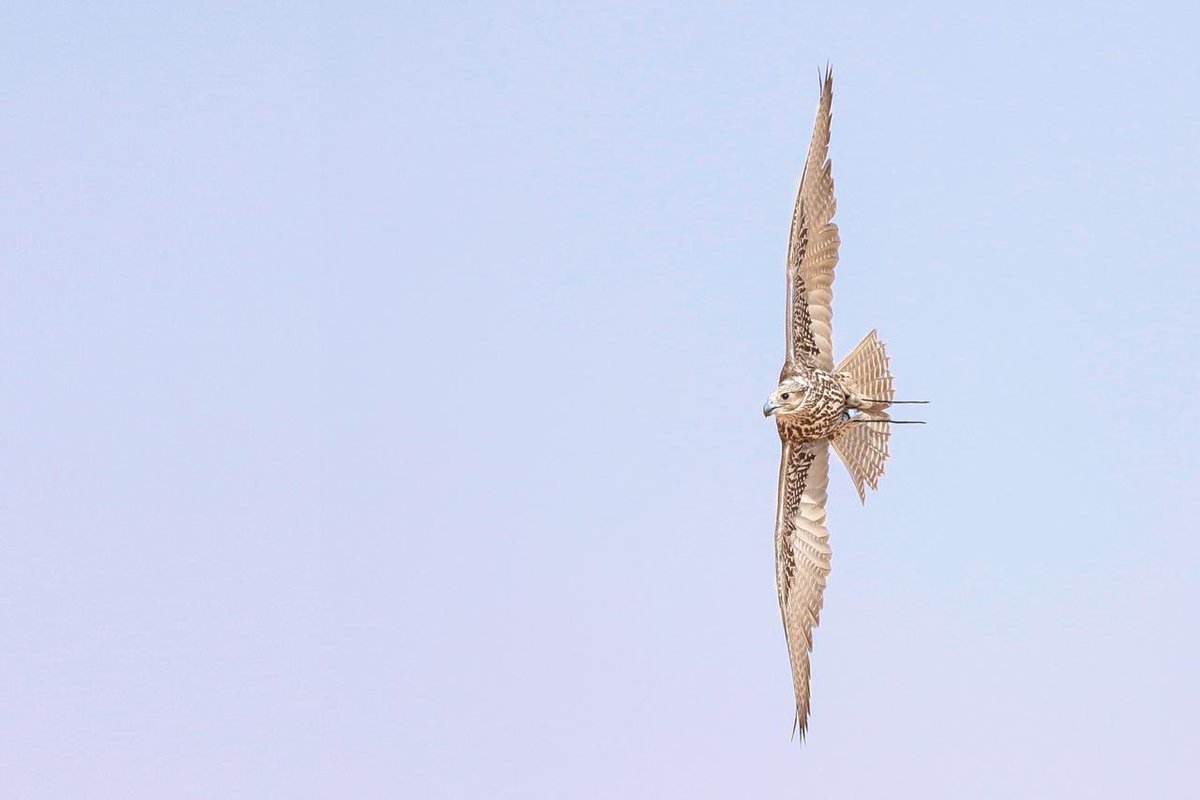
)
(813, 251)
(816, 407)
(802, 556)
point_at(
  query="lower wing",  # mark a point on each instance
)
(802, 555)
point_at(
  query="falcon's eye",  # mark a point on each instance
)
(785, 395)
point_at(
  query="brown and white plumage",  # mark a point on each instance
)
(813, 251)
(802, 555)
(816, 404)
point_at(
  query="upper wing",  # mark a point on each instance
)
(813, 252)
(802, 555)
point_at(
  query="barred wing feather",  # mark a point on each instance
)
(813, 252)
(802, 555)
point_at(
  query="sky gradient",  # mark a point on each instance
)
(382, 388)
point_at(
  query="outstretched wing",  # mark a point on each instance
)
(813, 253)
(802, 555)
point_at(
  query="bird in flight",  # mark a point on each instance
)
(817, 405)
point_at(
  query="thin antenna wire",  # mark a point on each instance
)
(896, 402)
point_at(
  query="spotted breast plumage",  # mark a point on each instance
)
(817, 405)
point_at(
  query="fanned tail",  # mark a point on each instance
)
(865, 372)
(862, 443)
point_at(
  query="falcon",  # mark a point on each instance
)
(817, 405)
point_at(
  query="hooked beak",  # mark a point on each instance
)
(769, 408)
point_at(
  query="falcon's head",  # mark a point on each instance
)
(787, 397)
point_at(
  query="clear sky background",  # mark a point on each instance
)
(381, 395)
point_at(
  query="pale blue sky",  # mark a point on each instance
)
(382, 386)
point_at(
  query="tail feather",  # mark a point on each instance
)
(862, 443)
(867, 369)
